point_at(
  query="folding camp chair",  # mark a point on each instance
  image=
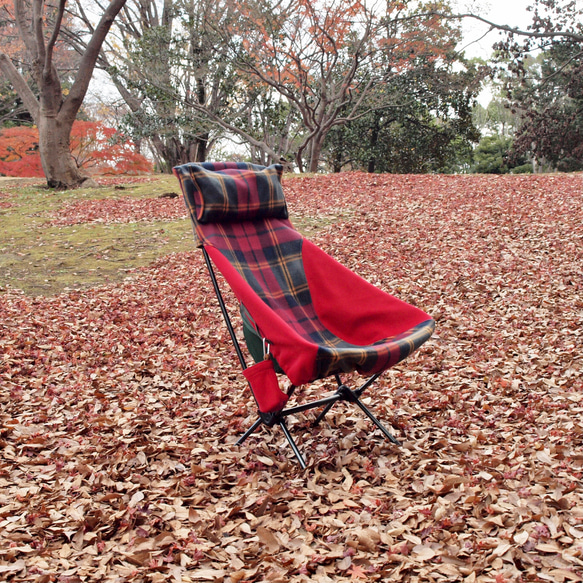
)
(304, 314)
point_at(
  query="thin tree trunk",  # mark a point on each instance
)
(316, 152)
(374, 138)
(202, 148)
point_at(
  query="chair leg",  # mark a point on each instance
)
(249, 431)
(323, 413)
(292, 443)
(329, 405)
(358, 392)
(385, 431)
(282, 424)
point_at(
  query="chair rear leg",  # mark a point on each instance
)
(330, 405)
(354, 394)
(275, 420)
(353, 397)
(385, 431)
(358, 392)
(323, 413)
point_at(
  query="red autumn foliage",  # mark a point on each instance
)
(95, 147)
(19, 152)
(102, 150)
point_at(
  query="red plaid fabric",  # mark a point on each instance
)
(232, 192)
(319, 317)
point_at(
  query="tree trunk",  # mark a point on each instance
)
(299, 161)
(316, 152)
(202, 148)
(374, 138)
(58, 165)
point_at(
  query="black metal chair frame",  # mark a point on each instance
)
(343, 392)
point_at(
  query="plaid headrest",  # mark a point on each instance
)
(232, 191)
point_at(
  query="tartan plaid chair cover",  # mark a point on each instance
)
(304, 314)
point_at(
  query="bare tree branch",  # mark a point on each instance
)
(39, 40)
(20, 86)
(89, 59)
(54, 37)
(24, 29)
(236, 130)
(566, 34)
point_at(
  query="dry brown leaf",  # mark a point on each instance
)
(268, 539)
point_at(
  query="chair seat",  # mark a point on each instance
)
(318, 317)
(339, 356)
(335, 355)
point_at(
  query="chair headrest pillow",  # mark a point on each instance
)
(232, 191)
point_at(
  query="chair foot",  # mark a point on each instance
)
(353, 397)
(281, 423)
(385, 431)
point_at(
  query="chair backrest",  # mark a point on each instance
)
(240, 210)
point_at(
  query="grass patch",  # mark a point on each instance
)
(310, 226)
(46, 260)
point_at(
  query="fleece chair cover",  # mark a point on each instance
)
(318, 317)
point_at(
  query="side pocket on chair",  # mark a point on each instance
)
(265, 387)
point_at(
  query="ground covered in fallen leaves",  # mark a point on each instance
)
(120, 407)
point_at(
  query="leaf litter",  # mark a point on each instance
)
(121, 406)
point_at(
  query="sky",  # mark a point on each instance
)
(510, 12)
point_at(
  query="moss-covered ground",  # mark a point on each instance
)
(43, 259)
